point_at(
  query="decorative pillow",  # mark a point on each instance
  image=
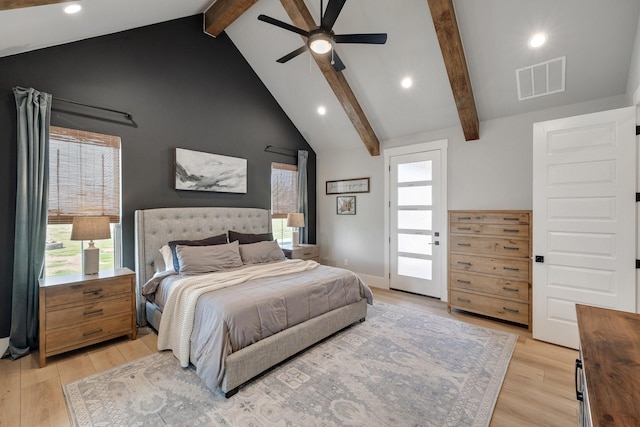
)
(220, 239)
(257, 253)
(246, 238)
(167, 257)
(207, 259)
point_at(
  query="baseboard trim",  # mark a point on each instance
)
(4, 345)
(375, 281)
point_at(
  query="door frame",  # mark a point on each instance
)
(441, 146)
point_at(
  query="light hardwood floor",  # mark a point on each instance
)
(538, 389)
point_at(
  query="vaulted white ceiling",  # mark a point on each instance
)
(595, 36)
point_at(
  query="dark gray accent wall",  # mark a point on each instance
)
(184, 88)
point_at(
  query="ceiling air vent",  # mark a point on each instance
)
(541, 79)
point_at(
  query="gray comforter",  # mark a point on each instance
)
(235, 317)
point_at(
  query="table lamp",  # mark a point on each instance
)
(295, 220)
(91, 228)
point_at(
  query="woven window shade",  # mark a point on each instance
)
(284, 189)
(84, 175)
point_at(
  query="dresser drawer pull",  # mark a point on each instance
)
(464, 263)
(464, 218)
(508, 230)
(510, 219)
(97, 331)
(510, 248)
(308, 253)
(510, 289)
(466, 282)
(468, 301)
(464, 228)
(87, 313)
(464, 244)
(93, 292)
(510, 268)
(512, 310)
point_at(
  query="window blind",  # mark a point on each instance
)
(84, 175)
(284, 189)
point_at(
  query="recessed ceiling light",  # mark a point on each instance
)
(321, 110)
(72, 8)
(537, 40)
(406, 82)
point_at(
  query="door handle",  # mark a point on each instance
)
(436, 243)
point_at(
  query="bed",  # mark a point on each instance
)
(155, 227)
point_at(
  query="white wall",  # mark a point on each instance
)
(492, 173)
(633, 81)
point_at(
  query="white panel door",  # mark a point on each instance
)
(584, 186)
(415, 223)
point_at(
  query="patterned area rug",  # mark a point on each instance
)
(401, 367)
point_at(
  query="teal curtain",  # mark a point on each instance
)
(303, 199)
(34, 112)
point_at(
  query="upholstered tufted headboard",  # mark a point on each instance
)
(155, 227)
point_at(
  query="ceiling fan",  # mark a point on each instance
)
(321, 39)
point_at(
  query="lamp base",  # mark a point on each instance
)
(295, 238)
(91, 260)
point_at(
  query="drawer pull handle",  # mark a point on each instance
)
(87, 313)
(510, 289)
(464, 228)
(468, 301)
(97, 331)
(510, 248)
(464, 263)
(466, 282)
(464, 244)
(509, 230)
(510, 219)
(307, 253)
(510, 268)
(512, 310)
(93, 292)
(464, 218)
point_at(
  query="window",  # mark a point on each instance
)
(284, 199)
(84, 179)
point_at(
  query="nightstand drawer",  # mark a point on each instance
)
(87, 291)
(305, 251)
(79, 335)
(88, 312)
(490, 306)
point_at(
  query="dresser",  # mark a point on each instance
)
(304, 251)
(79, 310)
(608, 369)
(490, 263)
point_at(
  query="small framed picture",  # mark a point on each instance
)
(346, 205)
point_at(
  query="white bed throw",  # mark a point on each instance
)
(178, 315)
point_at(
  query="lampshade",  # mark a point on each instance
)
(295, 220)
(90, 228)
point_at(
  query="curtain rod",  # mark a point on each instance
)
(126, 115)
(281, 150)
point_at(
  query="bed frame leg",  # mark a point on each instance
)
(363, 319)
(231, 392)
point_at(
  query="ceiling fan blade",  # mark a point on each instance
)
(379, 38)
(283, 25)
(292, 55)
(331, 13)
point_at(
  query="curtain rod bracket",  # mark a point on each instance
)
(126, 114)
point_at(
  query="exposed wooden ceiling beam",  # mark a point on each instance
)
(301, 18)
(222, 13)
(444, 20)
(17, 4)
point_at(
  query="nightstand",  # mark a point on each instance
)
(79, 310)
(302, 252)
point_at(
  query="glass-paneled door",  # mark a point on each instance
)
(415, 223)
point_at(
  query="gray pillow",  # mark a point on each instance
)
(207, 259)
(257, 253)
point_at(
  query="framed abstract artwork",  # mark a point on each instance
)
(198, 171)
(346, 205)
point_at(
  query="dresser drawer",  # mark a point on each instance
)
(59, 295)
(490, 306)
(506, 218)
(79, 335)
(490, 246)
(507, 230)
(506, 267)
(491, 285)
(87, 312)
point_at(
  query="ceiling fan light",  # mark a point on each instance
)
(319, 44)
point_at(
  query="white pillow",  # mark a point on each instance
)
(167, 257)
